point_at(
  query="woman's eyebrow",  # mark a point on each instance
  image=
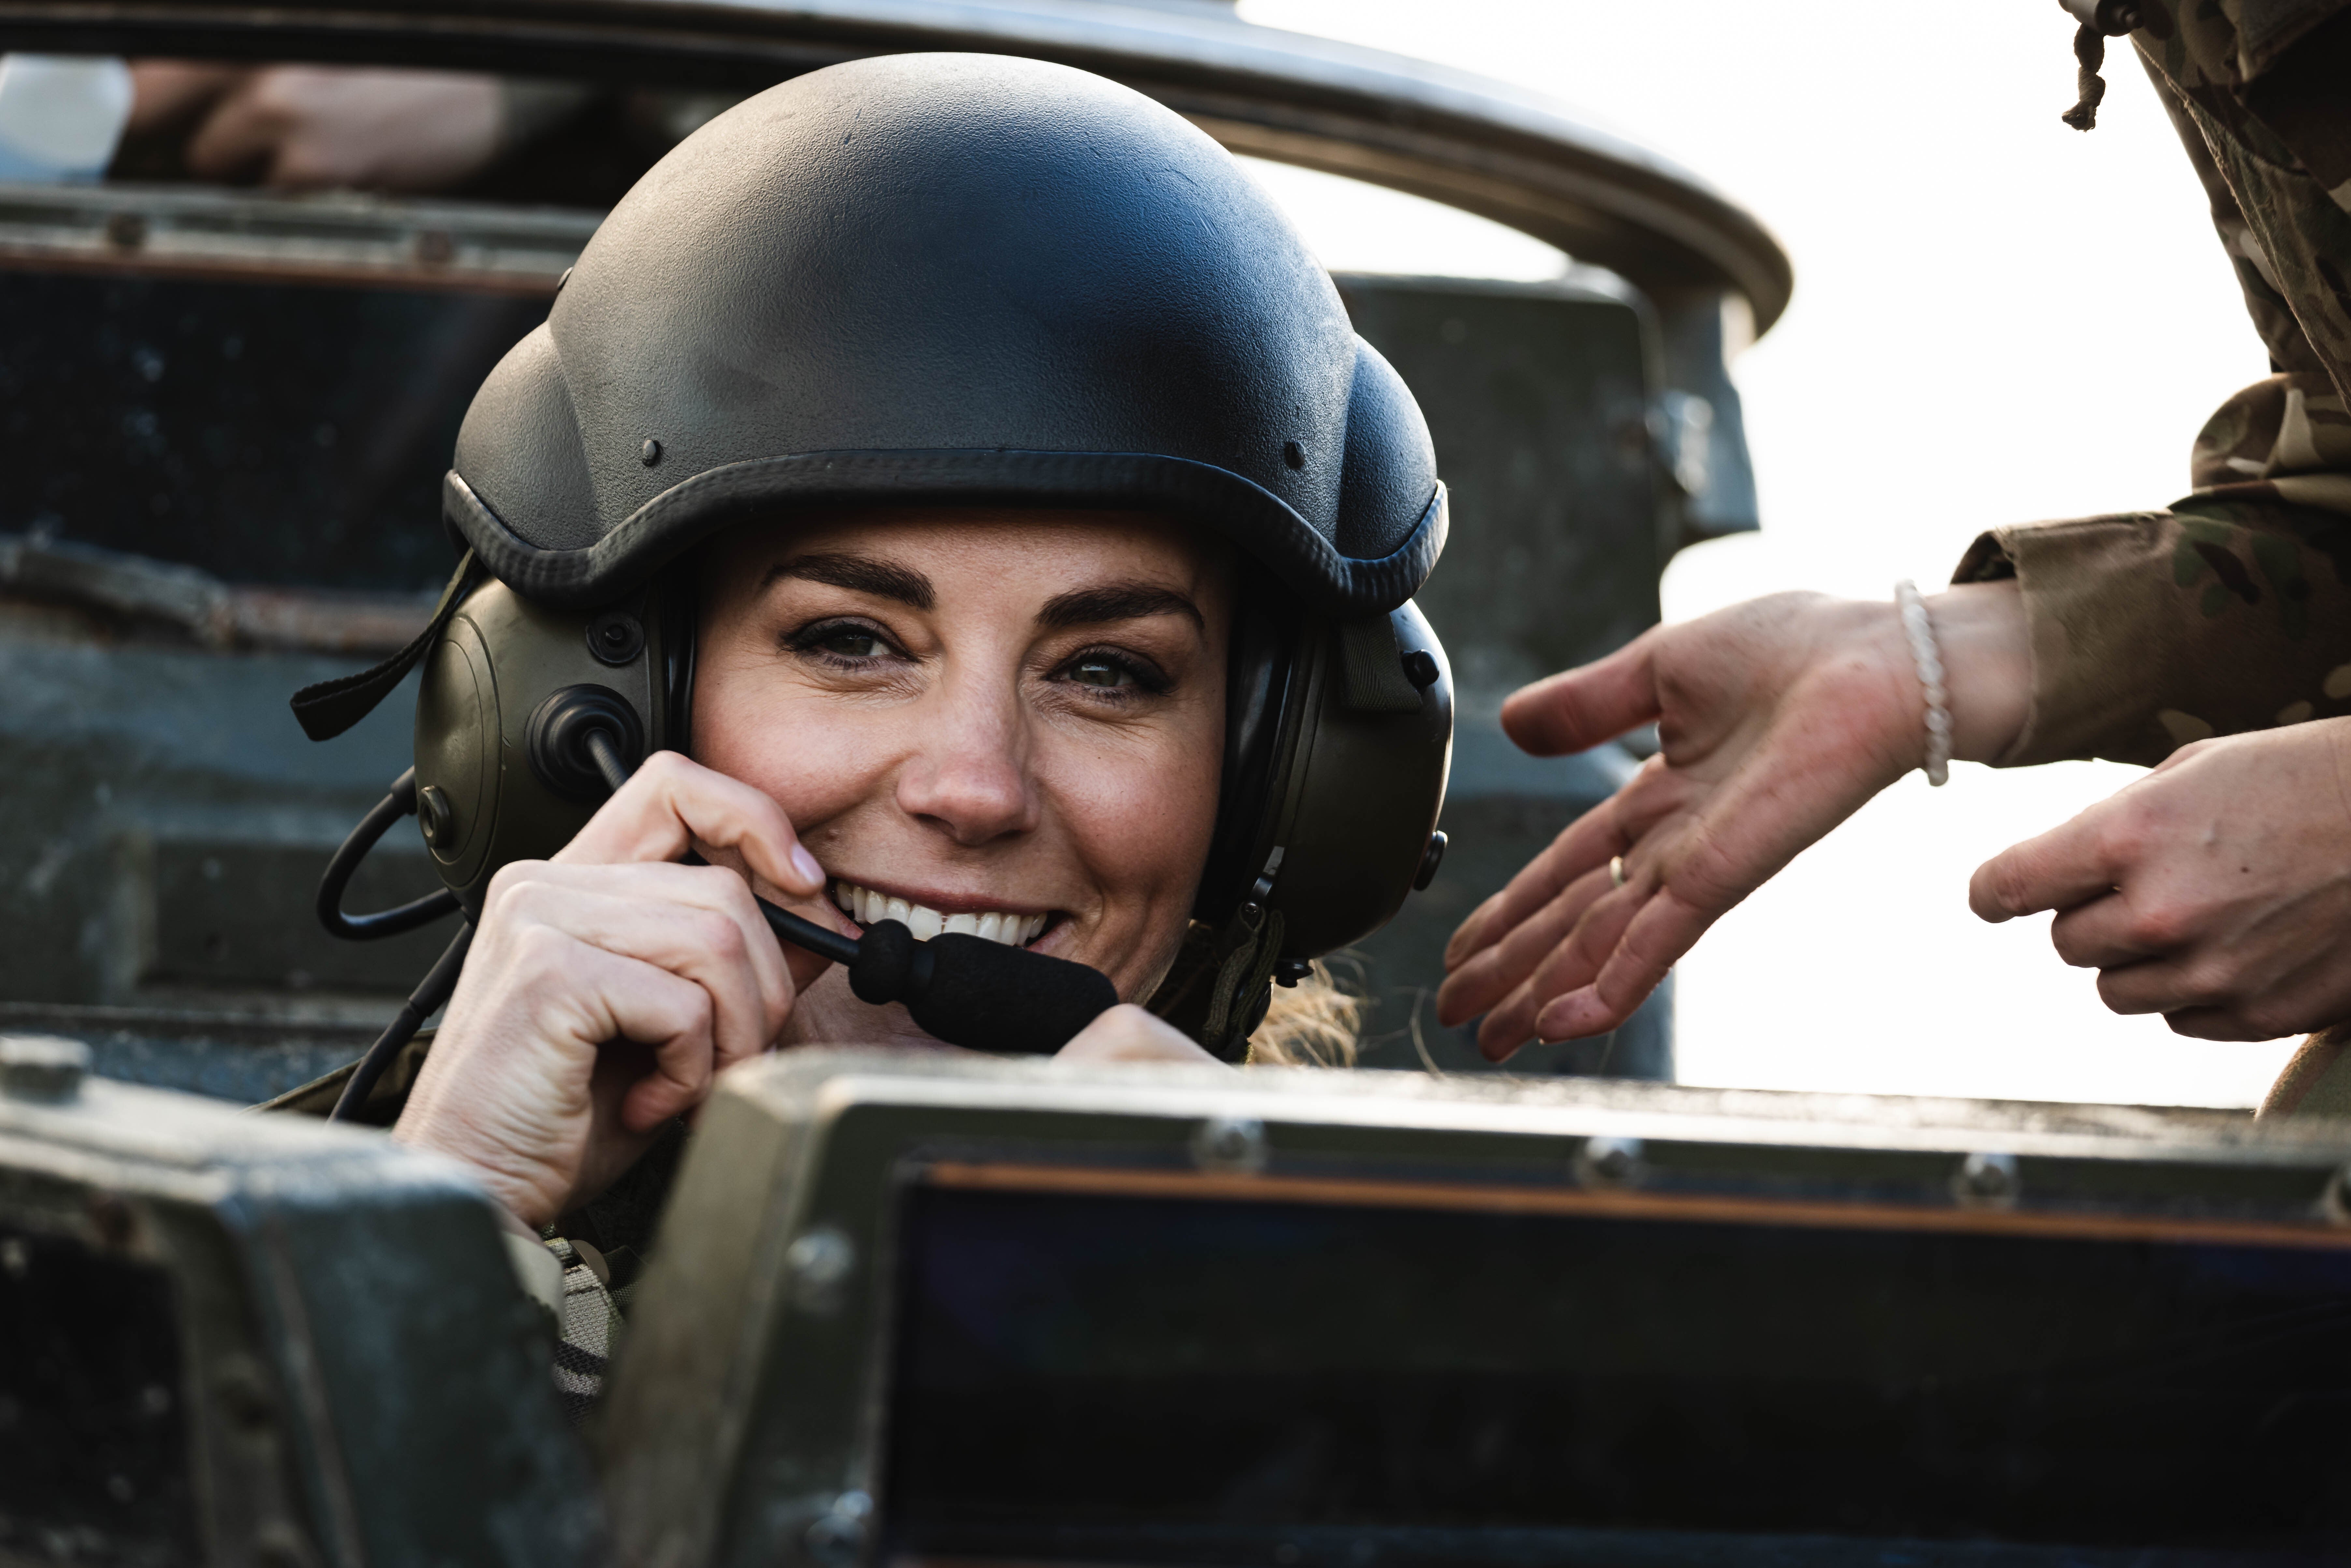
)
(1121, 601)
(859, 574)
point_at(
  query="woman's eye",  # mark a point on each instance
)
(1111, 671)
(850, 643)
(1099, 672)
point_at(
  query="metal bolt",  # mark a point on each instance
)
(820, 1262)
(435, 818)
(615, 637)
(128, 230)
(1609, 1162)
(650, 453)
(1430, 859)
(42, 1067)
(435, 248)
(1293, 454)
(1233, 1145)
(1987, 1180)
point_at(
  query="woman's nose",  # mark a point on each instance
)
(969, 778)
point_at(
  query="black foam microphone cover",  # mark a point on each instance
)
(982, 995)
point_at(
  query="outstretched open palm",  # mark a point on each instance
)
(1777, 719)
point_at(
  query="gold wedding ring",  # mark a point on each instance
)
(1617, 870)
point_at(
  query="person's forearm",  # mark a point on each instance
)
(1987, 667)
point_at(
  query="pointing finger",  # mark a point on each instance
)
(2065, 866)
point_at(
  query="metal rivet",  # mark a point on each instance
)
(1609, 1162)
(434, 817)
(1232, 1145)
(1420, 668)
(1430, 859)
(42, 1067)
(820, 1262)
(128, 230)
(435, 248)
(650, 453)
(1987, 1181)
(1293, 454)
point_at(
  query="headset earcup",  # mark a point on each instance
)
(495, 665)
(1366, 782)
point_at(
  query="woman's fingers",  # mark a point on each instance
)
(1129, 1033)
(673, 805)
(1652, 942)
(1568, 965)
(1609, 830)
(1578, 709)
(509, 1090)
(1483, 982)
(697, 923)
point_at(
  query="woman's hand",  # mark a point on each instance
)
(1777, 719)
(1129, 1033)
(313, 127)
(2215, 890)
(608, 987)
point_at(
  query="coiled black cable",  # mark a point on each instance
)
(400, 803)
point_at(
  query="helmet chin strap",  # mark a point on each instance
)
(1222, 984)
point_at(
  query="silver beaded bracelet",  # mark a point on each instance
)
(1921, 632)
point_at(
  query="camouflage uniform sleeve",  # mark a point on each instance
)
(588, 1333)
(2231, 609)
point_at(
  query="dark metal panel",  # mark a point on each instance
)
(338, 1369)
(752, 1408)
(1543, 404)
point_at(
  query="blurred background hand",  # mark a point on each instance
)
(322, 127)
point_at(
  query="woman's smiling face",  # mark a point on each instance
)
(1011, 722)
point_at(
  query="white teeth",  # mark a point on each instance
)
(870, 909)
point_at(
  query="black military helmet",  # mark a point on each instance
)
(947, 278)
(951, 279)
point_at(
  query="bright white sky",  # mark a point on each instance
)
(1997, 319)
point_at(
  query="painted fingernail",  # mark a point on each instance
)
(806, 864)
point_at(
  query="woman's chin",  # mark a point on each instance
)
(830, 1014)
